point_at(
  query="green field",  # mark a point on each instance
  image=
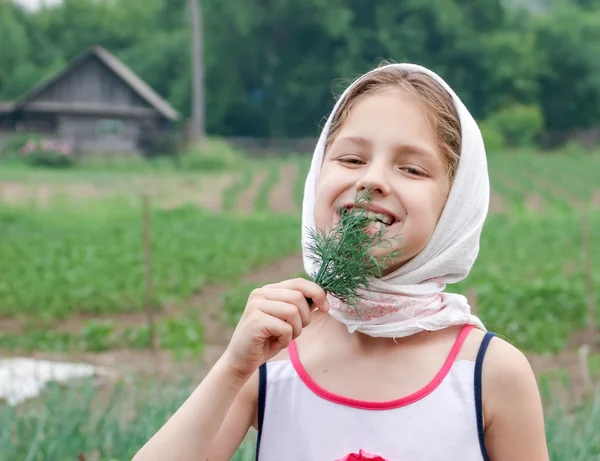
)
(73, 279)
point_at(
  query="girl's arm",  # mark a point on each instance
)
(512, 406)
(212, 422)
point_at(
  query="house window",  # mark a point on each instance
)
(110, 127)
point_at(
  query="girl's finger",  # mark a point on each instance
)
(294, 297)
(309, 289)
(278, 329)
(284, 311)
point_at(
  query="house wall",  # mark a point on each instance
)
(100, 135)
(93, 83)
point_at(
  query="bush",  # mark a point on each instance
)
(573, 148)
(492, 137)
(215, 154)
(15, 143)
(518, 124)
(48, 153)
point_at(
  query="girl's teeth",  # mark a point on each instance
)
(377, 225)
(379, 217)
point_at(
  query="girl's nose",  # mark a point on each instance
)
(375, 179)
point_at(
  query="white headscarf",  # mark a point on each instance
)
(412, 299)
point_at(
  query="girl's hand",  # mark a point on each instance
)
(274, 316)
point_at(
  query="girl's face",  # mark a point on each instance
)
(387, 145)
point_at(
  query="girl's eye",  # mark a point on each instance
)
(352, 161)
(414, 171)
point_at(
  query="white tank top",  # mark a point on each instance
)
(300, 421)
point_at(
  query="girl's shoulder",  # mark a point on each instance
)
(512, 405)
(506, 372)
(504, 365)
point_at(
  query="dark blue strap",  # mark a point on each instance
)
(262, 396)
(478, 394)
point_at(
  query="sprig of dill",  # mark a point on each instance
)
(343, 255)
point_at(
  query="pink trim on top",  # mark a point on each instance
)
(385, 405)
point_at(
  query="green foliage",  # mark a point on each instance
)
(16, 142)
(344, 253)
(236, 297)
(518, 125)
(49, 158)
(573, 149)
(60, 260)
(568, 39)
(493, 137)
(184, 336)
(289, 56)
(215, 154)
(524, 291)
(76, 422)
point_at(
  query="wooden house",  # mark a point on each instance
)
(96, 104)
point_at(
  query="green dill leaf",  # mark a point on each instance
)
(346, 263)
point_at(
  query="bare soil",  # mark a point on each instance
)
(535, 203)
(556, 191)
(168, 192)
(596, 198)
(281, 199)
(498, 205)
(569, 361)
(247, 199)
(207, 194)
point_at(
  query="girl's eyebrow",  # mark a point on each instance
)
(414, 149)
(398, 148)
(358, 140)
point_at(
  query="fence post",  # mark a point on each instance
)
(589, 274)
(148, 274)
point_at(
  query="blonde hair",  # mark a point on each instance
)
(440, 108)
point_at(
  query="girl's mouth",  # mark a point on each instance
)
(377, 220)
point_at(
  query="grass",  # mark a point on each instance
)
(64, 259)
(81, 421)
(530, 280)
(88, 258)
(262, 197)
(552, 175)
(55, 262)
(184, 336)
(111, 425)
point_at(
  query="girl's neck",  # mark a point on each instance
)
(333, 332)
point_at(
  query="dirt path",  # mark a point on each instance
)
(281, 199)
(498, 205)
(569, 361)
(20, 193)
(208, 194)
(559, 193)
(247, 199)
(535, 203)
(596, 198)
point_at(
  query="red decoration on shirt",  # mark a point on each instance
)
(362, 456)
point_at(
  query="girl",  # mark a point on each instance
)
(412, 376)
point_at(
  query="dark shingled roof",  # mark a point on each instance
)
(119, 68)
